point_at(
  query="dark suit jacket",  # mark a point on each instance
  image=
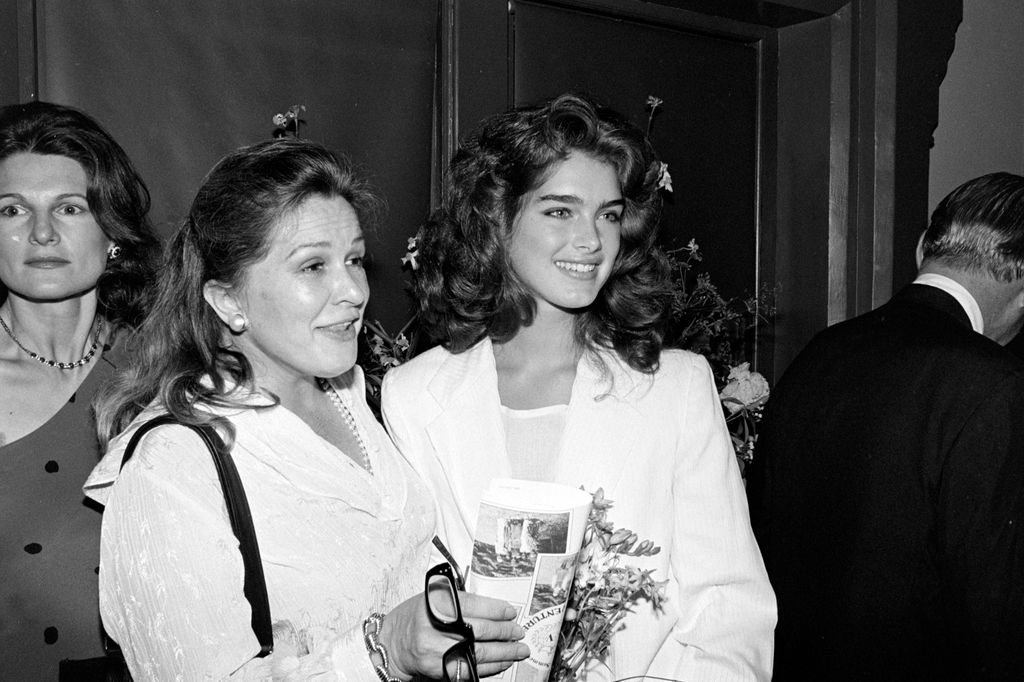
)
(887, 496)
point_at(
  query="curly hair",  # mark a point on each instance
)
(116, 195)
(979, 226)
(465, 283)
(183, 357)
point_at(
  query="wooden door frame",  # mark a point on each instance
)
(863, 157)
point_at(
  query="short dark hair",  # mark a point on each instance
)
(979, 227)
(465, 283)
(116, 194)
(228, 229)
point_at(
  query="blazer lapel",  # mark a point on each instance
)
(602, 432)
(468, 434)
(603, 426)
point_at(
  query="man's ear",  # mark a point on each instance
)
(223, 298)
(919, 252)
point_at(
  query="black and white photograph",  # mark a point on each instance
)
(287, 287)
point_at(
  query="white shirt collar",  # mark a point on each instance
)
(957, 291)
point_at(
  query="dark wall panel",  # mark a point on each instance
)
(9, 47)
(180, 84)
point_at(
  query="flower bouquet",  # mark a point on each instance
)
(705, 322)
(604, 589)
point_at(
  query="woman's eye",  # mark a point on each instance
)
(9, 211)
(70, 209)
(357, 261)
(315, 266)
(558, 213)
(612, 217)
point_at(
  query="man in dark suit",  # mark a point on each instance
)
(887, 489)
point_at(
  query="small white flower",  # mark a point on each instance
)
(412, 252)
(664, 178)
(745, 389)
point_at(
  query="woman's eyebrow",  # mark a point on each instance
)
(573, 199)
(564, 198)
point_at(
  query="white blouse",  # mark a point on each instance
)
(337, 542)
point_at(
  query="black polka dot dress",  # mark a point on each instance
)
(49, 542)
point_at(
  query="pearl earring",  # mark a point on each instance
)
(113, 251)
(238, 323)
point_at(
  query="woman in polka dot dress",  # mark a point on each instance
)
(75, 251)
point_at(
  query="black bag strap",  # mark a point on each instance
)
(255, 587)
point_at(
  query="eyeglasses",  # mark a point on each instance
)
(442, 594)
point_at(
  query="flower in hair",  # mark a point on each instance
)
(411, 253)
(664, 179)
(289, 121)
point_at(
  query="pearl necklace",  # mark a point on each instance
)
(350, 420)
(97, 329)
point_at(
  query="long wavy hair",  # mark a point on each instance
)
(116, 194)
(465, 283)
(182, 355)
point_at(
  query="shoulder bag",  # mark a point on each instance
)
(112, 668)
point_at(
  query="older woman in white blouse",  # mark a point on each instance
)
(254, 329)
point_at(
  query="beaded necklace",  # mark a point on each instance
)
(97, 329)
(350, 420)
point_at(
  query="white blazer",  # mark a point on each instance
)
(660, 449)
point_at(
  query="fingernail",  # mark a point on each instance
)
(518, 633)
(522, 651)
(511, 612)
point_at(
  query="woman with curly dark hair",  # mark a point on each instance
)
(540, 278)
(76, 251)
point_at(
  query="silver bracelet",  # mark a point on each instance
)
(371, 632)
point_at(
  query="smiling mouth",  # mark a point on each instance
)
(576, 267)
(340, 327)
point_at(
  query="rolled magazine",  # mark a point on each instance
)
(528, 535)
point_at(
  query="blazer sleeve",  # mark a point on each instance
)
(171, 580)
(725, 629)
(410, 438)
